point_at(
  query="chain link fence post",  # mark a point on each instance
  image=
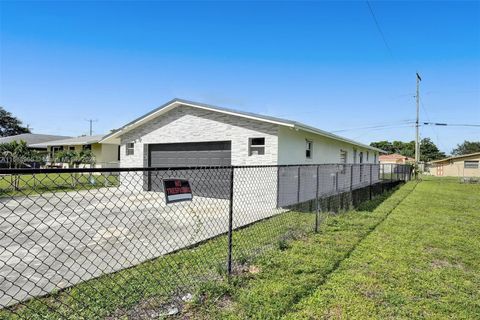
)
(370, 183)
(317, 201)
(230, 225)
(351, 177)
(298, 186)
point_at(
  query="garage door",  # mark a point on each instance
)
(204, 182)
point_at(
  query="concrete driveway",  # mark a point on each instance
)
(53, 241)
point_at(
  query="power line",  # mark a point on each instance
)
(451, 124)
(379, 29)
(386, 126)
(434, 127)
(380, 129)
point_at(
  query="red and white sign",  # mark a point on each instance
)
(177, 190)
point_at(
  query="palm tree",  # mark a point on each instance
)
(16, 154)
(74, 159)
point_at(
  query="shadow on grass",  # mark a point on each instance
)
(376, 201)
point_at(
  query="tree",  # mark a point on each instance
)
(74, 159)
(10, 125)
(466, 147)
(16, 154)
(428, 150)
(384, 145)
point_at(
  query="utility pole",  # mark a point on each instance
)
(91, 124)
(417, 136)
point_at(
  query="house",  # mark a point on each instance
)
(106, 154)
(183, 133)
(32, 139)
(186, 133)
(395, 158)
(466, 165)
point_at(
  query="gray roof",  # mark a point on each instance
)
(32, 138)
(82, 140)
(260, 117)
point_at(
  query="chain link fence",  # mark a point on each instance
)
(103, 243)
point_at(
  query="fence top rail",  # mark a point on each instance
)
(139, 169)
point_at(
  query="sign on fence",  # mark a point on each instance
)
(177, 190)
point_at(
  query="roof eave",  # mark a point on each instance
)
(175, 103)
(335, 137)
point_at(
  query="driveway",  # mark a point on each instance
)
(53, 241)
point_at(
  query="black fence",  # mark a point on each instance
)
(103, 243)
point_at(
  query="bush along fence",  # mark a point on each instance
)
(121, 242)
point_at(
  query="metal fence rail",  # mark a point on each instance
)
(96, 243)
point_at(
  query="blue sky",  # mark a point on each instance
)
(321, 63)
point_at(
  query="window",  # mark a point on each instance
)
(368, 155)
(343, 156)
(129, 148)
(54, 150)
(71, 148)
(308, 149)
(360, 157)
(471, 164)
(343, 160)
(354, 155)
(118, 153)
(256, 146)
(375, 158)
(87, 147)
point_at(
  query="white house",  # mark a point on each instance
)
(186, 133)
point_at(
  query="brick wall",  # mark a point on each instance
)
(187, 124)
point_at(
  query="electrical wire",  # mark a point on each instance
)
(380, 126)
(379, 28)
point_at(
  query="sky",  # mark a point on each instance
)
(326, 64)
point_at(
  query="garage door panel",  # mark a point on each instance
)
(207, 183)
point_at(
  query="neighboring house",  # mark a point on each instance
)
(106, 154)
(32, 139)
(466, 165)
(185, 133)
(395, 158)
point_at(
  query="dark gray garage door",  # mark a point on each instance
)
(207, 183)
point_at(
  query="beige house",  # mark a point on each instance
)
(106, 154)
(467, 165)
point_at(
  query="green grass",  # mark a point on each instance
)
(411, 254)
(29, 184)
(153, 285)
(416, 255)
(422, 262)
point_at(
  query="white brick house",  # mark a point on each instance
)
(185, 133)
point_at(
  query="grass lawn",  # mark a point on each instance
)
(39, 183)
(412, 254)
(420, 259)
(153, 286)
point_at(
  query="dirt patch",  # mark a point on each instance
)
(245, 269)
(335, 313)
(151, 308)
(225, 302)
(439, 264)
